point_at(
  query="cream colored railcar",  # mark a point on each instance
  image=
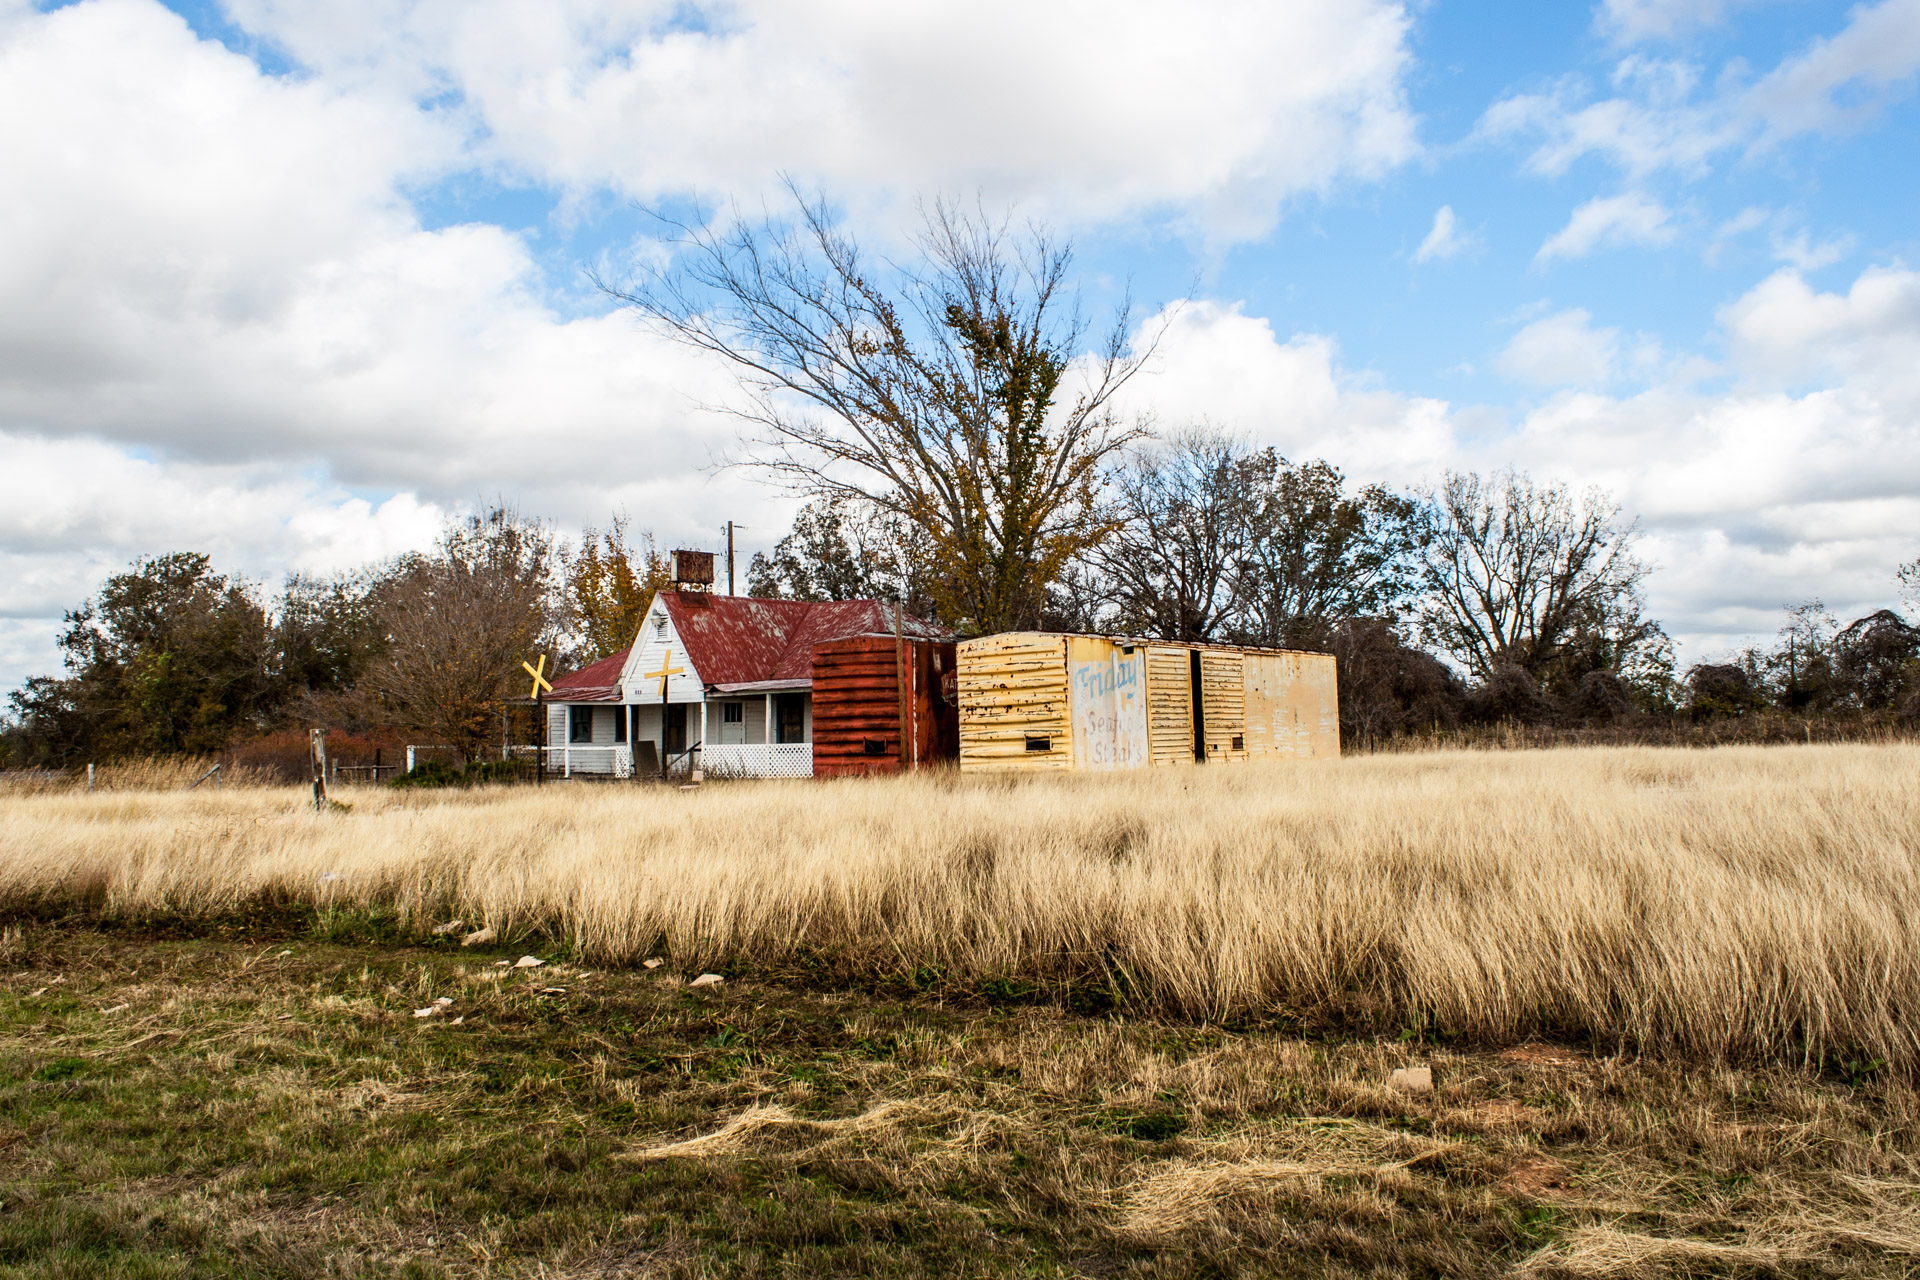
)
(1045, 700)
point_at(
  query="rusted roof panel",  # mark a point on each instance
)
(595, 682)
(743, 640)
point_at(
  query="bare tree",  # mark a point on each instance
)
(934, 392)
(1517, 573)
(1314, 554)
(1168, 569)
(458, 623)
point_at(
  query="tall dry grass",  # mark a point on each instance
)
(1742, 901)
(148, 773)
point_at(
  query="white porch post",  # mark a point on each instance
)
(703, 727)
(766, 724)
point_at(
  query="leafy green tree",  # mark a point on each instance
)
(167, 657)
(328, 630)
(1315, 554)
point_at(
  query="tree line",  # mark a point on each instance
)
(951, 422)
(173, 656)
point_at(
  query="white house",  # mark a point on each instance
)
(737, 677)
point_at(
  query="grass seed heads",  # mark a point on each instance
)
(1719, 904)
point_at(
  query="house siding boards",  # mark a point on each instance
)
(717, 651)
(1099, 703)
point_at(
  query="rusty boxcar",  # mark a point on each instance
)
(1046, 700)
(862, 721)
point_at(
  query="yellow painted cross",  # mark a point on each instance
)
(539, 678)
(664, 672)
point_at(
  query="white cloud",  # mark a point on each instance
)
(1784, 333)
(219, 324)
(1610, 222)
(1214, 112)
(1799, 251)
(1563, 350)
(1445, 239)
(1218, 365)
(1659, 120)
(1750, 497)
(1634, 21)
(1840, 82)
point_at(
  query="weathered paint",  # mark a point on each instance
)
(857, 708)
(1039, 700)
(1013, 702)
(1107, 692)
(1292, 705)
(1223, 703)
(1170, 703)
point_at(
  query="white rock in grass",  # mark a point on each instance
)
(444, 1001)
(654, 963)
(479, 936)
(451, 926)
(707, 980)
(1412, 1080)
(528, 962)
(427, 1012)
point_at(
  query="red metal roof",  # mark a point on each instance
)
(736, 640)
(740, 639)
(595, 682)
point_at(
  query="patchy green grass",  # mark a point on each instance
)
(257, 1098)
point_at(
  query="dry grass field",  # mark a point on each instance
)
(1731, 904)
(1048, 1027)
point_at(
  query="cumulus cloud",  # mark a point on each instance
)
(1783, 332)
(1609, 222)
(1563, 350)
(1445, 239)
(1750, 497)
(1217, 365)
(1840, 82)
(1213, 113)
(222, 327)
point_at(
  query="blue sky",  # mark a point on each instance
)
(289, 281)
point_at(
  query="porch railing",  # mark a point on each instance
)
(757, 760)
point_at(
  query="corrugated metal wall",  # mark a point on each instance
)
(1037, 700)
(1170, 704)
(1013, 702)
(857, 708)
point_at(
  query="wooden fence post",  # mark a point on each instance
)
(318, 740)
